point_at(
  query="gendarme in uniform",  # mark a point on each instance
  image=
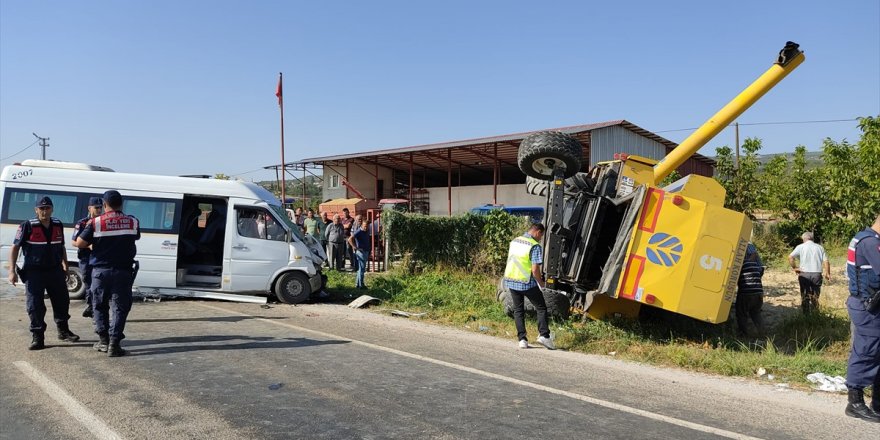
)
(112, 236)
(863, 305)
(83, 255)
(41, 240)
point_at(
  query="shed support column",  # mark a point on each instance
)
(449, 181)
(495, 178)
(410, 182)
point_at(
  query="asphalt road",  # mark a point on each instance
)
(216, 370)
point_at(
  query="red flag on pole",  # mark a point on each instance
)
(278, 91)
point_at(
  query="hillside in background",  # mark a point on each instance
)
(814, 158)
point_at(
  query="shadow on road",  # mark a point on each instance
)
(196, 343)
(206, 319)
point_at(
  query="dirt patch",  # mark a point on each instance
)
(782, 295)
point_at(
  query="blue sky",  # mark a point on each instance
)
(187, 87)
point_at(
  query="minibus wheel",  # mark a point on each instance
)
(76, 288)
(292, 288)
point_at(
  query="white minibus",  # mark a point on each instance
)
(200, 237)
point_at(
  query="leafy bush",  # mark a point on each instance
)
(463, 241)
(499, 230)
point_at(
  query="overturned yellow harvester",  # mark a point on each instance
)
(616, 241)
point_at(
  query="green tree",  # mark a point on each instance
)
(775, 186)
(868, 154)
(740, 180)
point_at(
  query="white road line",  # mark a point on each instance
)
(82, 414)
(581, 397)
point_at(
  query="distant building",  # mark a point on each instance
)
(453, 177)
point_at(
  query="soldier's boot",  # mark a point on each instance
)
(114, 350)
(875, 399)
(38, 342)
(64, 333)
(87, 312)
(857, 408)
(103, 342)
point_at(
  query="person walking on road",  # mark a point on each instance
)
(112, 236)
(813, 263)
(863, 305)
(524, 279)
(335, 235)
(361, 243)
(750, 292)
(96, 205)
(41, 240)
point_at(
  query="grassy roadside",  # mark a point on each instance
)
(795, 346)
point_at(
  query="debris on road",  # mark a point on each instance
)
(834, 384)
(364, 300)
(276, 386)
(407, 314)
(155, 292)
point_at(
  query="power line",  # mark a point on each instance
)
(21, 151)
(247, 172)
(769, 123)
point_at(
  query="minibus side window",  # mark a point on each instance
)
(258, 223)
(154, 215)
(20, 205)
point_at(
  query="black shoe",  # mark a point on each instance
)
(114, 350)
(67, 335)
(37, 343)
(861, 411)
(87, 312)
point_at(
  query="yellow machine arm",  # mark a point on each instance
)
(790, 57)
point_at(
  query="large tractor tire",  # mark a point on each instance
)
(540, 153)
(574, 184)
(557, 303)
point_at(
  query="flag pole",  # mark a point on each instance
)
(280, 96)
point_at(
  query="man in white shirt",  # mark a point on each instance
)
(813, 263)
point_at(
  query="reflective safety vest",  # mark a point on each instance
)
(519, 262)
(863, 282)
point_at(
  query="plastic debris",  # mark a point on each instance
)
(483, 328)
(827, 383)
(761, 371)
(770, 377)
(612, 353)
(364, 300)
(276, 386)
(407, 314)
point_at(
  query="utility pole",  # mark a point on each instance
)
(736, 127)
(44, 142)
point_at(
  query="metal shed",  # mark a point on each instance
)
(474, 166)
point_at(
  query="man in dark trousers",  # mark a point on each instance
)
(112, 236)
(750, 292)
(863, 305)
(41, 239)
(96, 205)
(523, 277)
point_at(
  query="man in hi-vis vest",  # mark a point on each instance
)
(523, 278)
